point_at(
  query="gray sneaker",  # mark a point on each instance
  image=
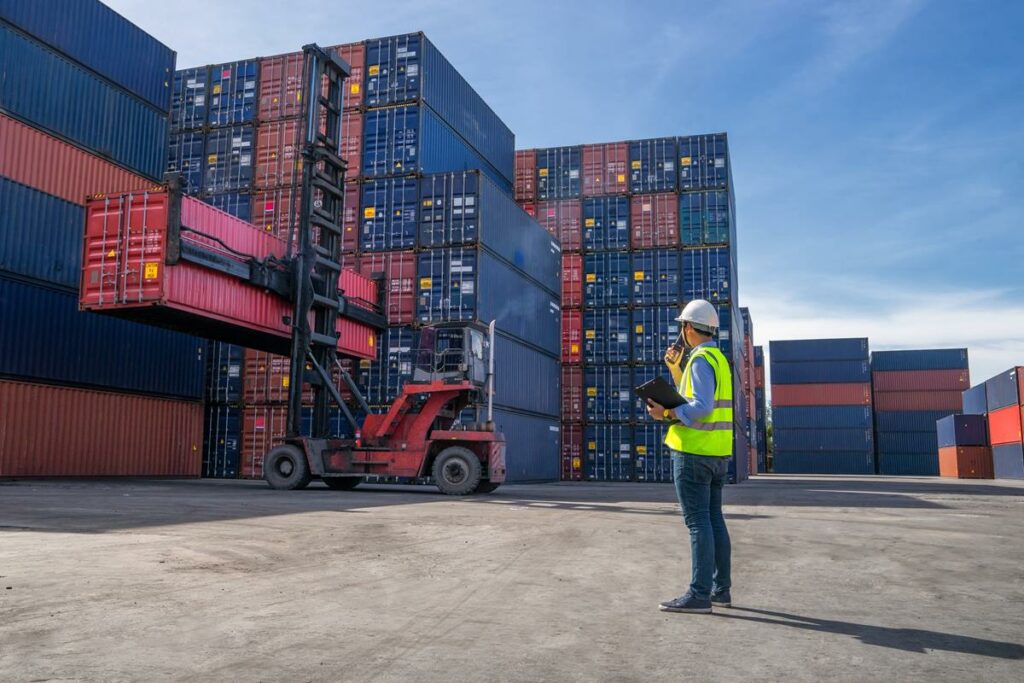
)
(687, 604)
(721, 598)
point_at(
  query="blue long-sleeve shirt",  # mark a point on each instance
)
(703, 377)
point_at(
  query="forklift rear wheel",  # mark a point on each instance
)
(342, 483)
(457, 471)
(285, 467)
(486, 486)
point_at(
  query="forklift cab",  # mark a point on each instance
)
(453, 353)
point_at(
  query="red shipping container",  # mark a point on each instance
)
(530, 209)
(572, 394)
(399, 269)
(919, 400)
(1004, 425)
(821, 394)
(562, 218)
(605, 169)
(526, 175)
(53, 431)
(266, 378)
(126, 273)
(263, 427)
(966, 462)
(572, 452)
(759, 384)
(921, 380)
(655, 220)
(278, 154)
(572, 280)
(355, 55)
(275, 211)
(280, 87)
(41, 162)
(572, 336)
(352, 142)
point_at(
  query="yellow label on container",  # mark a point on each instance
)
(638, 275)
(542, 172)
(591, 445)
(354, 89)
(591, 277)
(286, 381)
(684, 161)
(216, 89)
(574, 348)
(590, 334)
(370, 212)
(576, 463)
(635, 165)
(428, 202)
(639, 329)
(152, 271)
(111, 254)
(641, 450)
(621, 177)
(591, 391)
(589, 222)
(371, 341)
(426, 282)
(374, 69)
(212, 159)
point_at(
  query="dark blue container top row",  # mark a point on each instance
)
(100, 39)
(219, 95)
(1002, 390)
(819, 349)
(920, 359)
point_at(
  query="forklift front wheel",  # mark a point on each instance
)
(457, 471)
(285, 467)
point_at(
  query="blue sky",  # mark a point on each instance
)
(878, 146)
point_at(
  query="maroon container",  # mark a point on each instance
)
(572, 336)
(355, 55)
(526, 176)
(605, 169)
(821, 394)
(562, 218)
(572, 452)
(280, 87)
(278, 154)
(52, 431)
(263, 427)
(572, 280)
(352, 141)
(655, 220)
(274, 213)
(921, 380)
(966, 462)
(572, 394)
(919, 401)
(399, 270)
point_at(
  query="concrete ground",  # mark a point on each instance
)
(836, 579)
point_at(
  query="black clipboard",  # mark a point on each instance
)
(661, 392)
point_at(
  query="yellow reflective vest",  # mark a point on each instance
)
(712, 434)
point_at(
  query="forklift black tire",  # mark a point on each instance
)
(342, 483)
(285, 468)
(457, 471)
(486, 486)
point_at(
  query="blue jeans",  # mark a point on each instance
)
(699, 480)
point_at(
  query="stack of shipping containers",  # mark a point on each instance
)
(1004, 405)
(912, 390)
(821, 407)
(644, 226)
(963, 447)
(760, 422)
(747, 370)
(83, 394)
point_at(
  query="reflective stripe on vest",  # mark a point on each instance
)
(712, 434)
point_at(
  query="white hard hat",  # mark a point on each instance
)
(701, 314)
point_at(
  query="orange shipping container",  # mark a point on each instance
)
(965, 462)
(1004, 425)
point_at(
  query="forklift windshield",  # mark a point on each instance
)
(451, 354)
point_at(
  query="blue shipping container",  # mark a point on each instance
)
(707, 274)
(652, 459)
(609, 452)
(532, 445)
(609, 393)
(222, 441)
(406, 68)
(827, 440)
(414, 139)
(558, 173)
(96, 36)
(45, 338)
(1008, 461)
(469, 283)
(821, 372)
(909, 464)
(975, 402)
(606, 336)
(238, 204)
(224, 372)
(907, 442)
(607, 279)
(654, 330)
(652, 165)
(228, 159)
(186, 157)
(190, 99)
(705, 218)
(458, 209)
(393, 367)
(1001, 391)
(43, 88)
(656, 277)
(821, 417)
(40, 235)
(962, 430)
(606, 223)
(758, 356)
(704, 162)
(526, 379)
(930, 359)
(818, 349)
(641, 375)
(233, 92)
(390, 214)
(801, 462)
(909, 420)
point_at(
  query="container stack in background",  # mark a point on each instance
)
(964, 452)
(760, 422)
(1004, 407)
(222, 425)
(84, 102)
(645, 226)
(821, 407)
(912, 390)
(748, 370)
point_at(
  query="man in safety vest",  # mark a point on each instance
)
(700, 437)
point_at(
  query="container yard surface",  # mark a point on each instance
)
(835, 579)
